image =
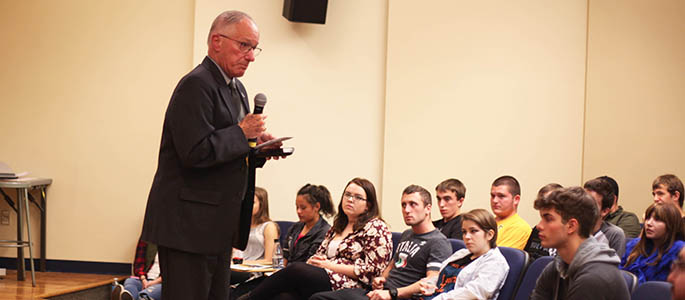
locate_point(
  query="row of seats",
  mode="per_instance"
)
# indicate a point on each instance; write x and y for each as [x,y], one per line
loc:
[652,290]
[523,273]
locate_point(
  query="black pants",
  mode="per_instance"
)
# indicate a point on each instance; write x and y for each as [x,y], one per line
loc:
[240,277]
[245,286]
[344,294]
[297,281]
[194,276]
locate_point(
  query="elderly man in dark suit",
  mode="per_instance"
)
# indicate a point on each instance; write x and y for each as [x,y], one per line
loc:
[193,211]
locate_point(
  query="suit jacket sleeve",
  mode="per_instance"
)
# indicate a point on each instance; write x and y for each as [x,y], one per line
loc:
[192,119]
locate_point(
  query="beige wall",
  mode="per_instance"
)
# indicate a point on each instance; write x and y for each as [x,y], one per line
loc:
[325,86]
[102,129]
[476,90]
[387,90]
[84,86]
[635,116]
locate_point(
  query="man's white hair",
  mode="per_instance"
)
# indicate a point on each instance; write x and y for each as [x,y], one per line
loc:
[226,18]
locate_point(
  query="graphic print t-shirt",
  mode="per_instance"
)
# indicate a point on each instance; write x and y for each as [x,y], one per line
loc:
[416,254]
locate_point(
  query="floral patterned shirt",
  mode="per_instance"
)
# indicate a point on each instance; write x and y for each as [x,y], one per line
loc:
[368,249]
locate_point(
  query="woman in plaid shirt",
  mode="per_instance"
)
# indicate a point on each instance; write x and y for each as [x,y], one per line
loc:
[146,282]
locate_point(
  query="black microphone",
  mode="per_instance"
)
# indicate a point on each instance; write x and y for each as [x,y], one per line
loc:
[259,102]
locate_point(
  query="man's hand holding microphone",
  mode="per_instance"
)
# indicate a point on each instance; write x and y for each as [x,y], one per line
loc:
[253,126]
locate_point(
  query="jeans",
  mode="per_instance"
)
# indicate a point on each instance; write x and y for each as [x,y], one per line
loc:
[135,287]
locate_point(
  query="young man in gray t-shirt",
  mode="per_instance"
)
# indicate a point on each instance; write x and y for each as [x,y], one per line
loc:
[419,254]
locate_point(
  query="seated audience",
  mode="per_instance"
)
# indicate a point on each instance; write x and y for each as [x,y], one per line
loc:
[669,188]
[534,246]
[419,253]
[677,277]
[146,282]
[583,268]
[505,195]
[354,252]
[263,231]
[305,237]
[260,244]
[450,194]
[626,220]
[604,231]
[477,272]
[649,257]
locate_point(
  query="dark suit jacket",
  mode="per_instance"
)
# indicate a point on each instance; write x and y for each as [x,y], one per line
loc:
[196,196]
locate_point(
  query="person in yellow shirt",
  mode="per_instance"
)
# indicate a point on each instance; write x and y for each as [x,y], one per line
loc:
[512,230]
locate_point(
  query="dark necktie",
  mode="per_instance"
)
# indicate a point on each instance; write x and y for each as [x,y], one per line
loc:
[236,100]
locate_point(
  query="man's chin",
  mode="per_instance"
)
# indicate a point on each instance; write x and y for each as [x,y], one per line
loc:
[547,245]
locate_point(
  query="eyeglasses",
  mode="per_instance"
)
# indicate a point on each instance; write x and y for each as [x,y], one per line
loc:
[243,46]
[353,197]
[678,265]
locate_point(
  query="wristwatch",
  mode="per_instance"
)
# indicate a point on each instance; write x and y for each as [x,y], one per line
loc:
[393,293]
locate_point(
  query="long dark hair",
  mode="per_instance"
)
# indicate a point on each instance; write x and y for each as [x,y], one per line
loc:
[340,221]
[670,215]
[318,194]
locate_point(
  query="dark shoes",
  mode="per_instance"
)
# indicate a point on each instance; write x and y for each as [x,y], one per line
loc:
[116,292]
[125,295]
[119,293]
[245,296]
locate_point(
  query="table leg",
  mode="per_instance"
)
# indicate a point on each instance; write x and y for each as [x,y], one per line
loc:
[20,235]
[43,214]
[28,233]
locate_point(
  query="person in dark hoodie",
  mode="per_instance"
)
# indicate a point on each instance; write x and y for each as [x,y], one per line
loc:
[305,236]
[584,267]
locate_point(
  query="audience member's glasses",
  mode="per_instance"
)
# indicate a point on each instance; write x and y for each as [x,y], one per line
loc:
[354,197]
[244,47]
[678,265]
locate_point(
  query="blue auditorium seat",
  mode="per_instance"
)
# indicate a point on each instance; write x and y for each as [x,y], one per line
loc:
[283,227]
[530,277]
[456,244]
[652,290]
[517,260]
[631,280]
[395,239]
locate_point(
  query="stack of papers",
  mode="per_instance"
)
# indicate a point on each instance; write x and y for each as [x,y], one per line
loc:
[6,172]
[251,267]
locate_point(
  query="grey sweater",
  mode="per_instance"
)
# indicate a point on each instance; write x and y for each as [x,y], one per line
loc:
[615,236]
[592,274]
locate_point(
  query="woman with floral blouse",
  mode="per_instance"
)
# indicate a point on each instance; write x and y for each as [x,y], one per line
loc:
[356,249]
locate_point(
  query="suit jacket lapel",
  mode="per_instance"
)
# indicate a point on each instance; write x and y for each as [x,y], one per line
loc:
[226,97]
[243,96]
[224,90]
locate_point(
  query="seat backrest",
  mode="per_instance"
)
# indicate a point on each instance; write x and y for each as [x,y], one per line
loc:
[652,290]
[518,261]
[395,240]
[456,244]
[283,226]
[530,277]
[631,280]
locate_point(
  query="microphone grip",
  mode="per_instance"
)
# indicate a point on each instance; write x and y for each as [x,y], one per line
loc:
[257,111]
